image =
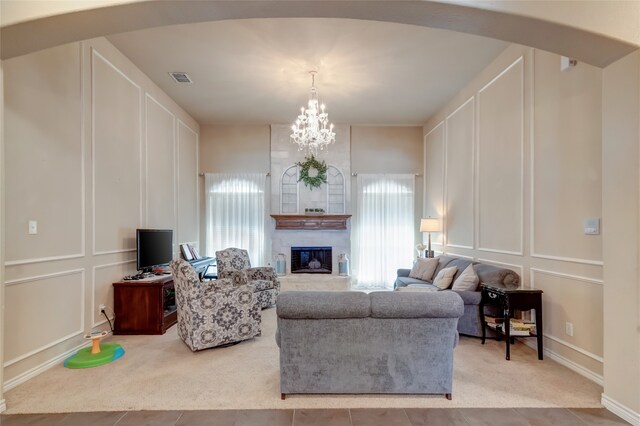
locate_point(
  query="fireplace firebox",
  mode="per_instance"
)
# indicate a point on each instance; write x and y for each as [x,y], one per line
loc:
[311,260]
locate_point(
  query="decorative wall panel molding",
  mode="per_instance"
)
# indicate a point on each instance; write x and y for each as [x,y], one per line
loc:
[52,303]
[44,156]
[116,114]
[187,172]
[500,162]
[108,284]
[160,153]
[583,317]
[434,177]
[459,176]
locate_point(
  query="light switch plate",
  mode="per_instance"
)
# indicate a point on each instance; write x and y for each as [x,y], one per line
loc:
[592,226]
[33,227]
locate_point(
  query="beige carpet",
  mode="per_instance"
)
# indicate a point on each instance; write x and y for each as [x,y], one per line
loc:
[161,373]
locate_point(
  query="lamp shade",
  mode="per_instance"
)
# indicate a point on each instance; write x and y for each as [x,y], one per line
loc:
[430,224]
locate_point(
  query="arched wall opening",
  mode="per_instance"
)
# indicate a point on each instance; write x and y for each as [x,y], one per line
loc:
[517,27]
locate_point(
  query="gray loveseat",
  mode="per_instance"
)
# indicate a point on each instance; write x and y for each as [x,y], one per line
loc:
[354,342]
[469,323]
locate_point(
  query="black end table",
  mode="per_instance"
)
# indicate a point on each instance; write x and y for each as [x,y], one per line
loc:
[508,301]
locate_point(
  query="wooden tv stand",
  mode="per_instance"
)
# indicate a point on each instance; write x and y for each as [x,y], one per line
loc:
[144,306]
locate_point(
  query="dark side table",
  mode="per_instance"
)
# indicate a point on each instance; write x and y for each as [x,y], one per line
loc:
[508,301]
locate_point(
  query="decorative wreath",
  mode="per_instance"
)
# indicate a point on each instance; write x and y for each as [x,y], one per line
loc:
[313,172]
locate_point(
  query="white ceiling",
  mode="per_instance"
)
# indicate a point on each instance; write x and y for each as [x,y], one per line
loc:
[255,71]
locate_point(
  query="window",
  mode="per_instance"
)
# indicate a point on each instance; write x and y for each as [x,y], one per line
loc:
[335,191]
[385,228]
[235,210]
[289,191]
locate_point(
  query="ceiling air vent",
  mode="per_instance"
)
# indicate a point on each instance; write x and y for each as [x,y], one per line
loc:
[180,77]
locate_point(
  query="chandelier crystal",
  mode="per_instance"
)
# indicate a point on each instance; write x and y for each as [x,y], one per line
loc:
[310,130]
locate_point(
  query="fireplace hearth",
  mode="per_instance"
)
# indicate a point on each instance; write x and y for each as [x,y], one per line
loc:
[311,260]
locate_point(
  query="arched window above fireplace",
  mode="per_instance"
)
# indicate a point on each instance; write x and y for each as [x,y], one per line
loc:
[289,191]
[335,191]
[330,196]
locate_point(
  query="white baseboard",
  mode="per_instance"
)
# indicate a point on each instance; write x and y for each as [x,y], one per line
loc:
[3,406]
[620,410]
[594,377]
[29,374]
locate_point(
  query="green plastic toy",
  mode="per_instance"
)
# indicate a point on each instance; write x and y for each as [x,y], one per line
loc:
[97,354]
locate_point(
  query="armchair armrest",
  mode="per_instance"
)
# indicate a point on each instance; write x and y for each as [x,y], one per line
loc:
[403,272]
[237,277]
[264,273]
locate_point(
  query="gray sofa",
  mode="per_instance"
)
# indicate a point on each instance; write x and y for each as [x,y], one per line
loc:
[354,342]
[469,323]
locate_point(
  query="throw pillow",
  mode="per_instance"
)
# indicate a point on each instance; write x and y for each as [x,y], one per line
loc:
[467,281]
[444,277]
[423,269]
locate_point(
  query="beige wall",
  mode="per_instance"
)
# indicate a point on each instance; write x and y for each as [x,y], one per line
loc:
[93,150]
[387,150]
[621,213]
[513,166]
[232,149]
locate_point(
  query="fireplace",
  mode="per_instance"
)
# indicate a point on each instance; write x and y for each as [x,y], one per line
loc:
[311,260]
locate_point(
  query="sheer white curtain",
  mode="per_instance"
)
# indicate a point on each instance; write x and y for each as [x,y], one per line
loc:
[385,233]
[235,212]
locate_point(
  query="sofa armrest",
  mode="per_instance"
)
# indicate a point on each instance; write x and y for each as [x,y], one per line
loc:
[403,272]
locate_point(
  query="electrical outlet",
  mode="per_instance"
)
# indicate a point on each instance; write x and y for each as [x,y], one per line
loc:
[568,328]
[101,308]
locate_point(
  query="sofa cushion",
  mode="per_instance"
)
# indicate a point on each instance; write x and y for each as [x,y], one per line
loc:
[423,269]
[467,281]
[323,304]
[395,304]
[445,277]
[405,281]
[423,286]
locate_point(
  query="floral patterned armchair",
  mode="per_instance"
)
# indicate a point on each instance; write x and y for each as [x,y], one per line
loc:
[213,313]
[233,263]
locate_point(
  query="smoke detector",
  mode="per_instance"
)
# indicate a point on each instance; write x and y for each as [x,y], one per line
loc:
[181,77]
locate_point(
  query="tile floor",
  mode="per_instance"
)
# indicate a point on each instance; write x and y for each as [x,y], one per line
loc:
[329,417]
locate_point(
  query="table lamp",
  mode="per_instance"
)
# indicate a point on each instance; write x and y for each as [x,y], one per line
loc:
[430,224]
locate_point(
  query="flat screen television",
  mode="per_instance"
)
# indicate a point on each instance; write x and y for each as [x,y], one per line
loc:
[155,248]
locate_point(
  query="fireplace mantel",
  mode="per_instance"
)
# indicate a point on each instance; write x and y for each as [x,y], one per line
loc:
[301,222]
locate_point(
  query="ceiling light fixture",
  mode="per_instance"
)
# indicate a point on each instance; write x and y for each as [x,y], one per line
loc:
[310,130]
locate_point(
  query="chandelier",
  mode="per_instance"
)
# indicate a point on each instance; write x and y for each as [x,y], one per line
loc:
[310,130]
